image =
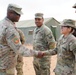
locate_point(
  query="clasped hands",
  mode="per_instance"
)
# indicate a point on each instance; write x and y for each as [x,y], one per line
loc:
[41,54]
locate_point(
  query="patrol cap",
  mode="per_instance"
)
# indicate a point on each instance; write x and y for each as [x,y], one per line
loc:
[74,6]
[68,22]
[15,8]
[39,15]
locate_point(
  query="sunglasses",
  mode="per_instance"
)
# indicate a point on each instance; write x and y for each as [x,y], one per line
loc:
[66,26]
[15,13]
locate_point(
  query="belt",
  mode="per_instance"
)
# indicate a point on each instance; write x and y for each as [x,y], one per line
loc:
[2,70]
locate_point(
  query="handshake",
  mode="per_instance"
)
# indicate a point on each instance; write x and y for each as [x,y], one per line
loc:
[40,54]
[43,53]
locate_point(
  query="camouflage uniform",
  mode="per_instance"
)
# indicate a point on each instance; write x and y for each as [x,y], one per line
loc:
[19,66]
[66,53]
[42,40]
[10,47]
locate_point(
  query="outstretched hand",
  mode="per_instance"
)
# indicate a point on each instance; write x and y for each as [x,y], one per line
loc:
[40,54]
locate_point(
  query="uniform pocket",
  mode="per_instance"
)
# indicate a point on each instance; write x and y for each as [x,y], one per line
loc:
[11,71]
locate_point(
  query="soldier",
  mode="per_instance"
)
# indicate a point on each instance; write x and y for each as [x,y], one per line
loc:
[65,50]
[19,66]
[74,6]
[10,44]
[42,40]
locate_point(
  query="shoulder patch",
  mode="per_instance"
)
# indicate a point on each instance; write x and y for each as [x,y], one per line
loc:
[15,40]
[50,36]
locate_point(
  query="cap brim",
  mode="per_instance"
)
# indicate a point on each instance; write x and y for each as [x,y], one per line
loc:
[68,25]
[21,13]
[38,17]
[18,12]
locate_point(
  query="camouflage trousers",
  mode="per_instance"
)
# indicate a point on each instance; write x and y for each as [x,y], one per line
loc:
[8,72]
[19,66]
[64,74]
[42,66]
[63,70]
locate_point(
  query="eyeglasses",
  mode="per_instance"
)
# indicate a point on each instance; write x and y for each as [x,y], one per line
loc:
[63,26]
[16,14]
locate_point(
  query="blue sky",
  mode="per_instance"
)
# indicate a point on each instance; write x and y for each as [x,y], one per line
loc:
[59,9]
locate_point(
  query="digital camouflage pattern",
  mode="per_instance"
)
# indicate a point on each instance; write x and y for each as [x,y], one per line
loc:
[10,46]
[19,66]
[42,40]
[66,55]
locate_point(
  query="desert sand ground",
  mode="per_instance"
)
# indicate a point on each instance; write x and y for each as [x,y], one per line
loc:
[28,64]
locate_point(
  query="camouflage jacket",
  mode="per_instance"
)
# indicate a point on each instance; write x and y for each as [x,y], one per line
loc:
[43,38]
[66,55]
[22,37]
[10,45]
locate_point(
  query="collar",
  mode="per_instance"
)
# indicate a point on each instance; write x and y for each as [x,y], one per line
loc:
[13,23]
[67,36]
[40,27]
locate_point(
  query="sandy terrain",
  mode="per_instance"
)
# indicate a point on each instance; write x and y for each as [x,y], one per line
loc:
[28,65]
